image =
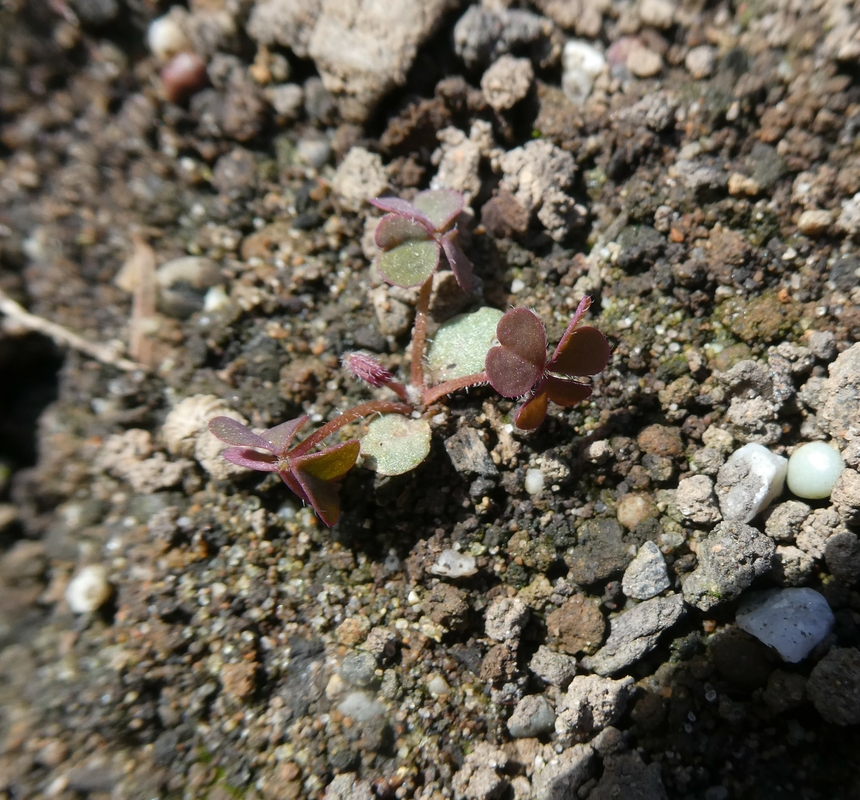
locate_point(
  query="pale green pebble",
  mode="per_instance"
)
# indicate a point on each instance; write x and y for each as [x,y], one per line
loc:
[813,470]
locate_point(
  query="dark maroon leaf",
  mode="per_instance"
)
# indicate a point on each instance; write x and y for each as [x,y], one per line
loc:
[460,264]
[584,351]
[517,363]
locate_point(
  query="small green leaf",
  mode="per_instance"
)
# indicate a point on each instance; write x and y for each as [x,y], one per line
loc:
[330,464]
[461,345]
[410,264]
[440,206]
[395,444]
[394,230]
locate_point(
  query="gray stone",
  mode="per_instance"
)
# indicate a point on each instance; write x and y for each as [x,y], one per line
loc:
[696,500]
[505,619]
[626,775]
[561,777]
[834,686]
[533,716]
[482,35]
[842,554]
[600,552]
[359,669]
[557,669]
[646,576]
[634,633]
[845,496]
[783,522]
[730,559]
[590,704]
[468,453]
[839,413]
[360,48]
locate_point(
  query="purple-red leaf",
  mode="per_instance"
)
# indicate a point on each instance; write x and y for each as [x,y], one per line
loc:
[460,264]
[440,206]
[532,413]
[251,459]
[282,435]
[403,208]
[321,495]
[394,230]
[583,351]
[231,431]
[518,362]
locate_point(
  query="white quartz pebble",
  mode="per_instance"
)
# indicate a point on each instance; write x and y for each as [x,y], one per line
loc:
[89,590]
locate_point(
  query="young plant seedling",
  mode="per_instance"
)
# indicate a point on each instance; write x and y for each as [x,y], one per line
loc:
[313,476]
[518,364]
[412,237]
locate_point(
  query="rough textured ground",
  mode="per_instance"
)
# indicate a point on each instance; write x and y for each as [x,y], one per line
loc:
[703,185]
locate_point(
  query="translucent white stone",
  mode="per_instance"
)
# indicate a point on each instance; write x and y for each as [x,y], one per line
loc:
[750,481]
[89,590]
[791,621]
[813,470]
[534,481]
[452,564]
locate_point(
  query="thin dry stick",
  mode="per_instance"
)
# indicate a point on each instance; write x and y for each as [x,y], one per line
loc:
[419,335]
[140,345]
[63,337]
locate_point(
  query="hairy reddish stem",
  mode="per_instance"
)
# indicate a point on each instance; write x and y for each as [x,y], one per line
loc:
[399,389]
[350,415]
[419,335]
[435,393]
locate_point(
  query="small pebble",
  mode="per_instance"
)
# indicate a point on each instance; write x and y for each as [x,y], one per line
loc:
[700,61]
[166,38]
[813,470]
[750,481]
[582,63]
[183,76]
[533,716]
[644,63]
[452,564]
[633,509]
[814,222]
[792,621]
[534,481]
[89,590]
[646,576]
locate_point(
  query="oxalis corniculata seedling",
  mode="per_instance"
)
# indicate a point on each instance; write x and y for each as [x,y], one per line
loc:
[412,237]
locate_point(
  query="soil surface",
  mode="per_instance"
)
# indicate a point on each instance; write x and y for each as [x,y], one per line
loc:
[174,628]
